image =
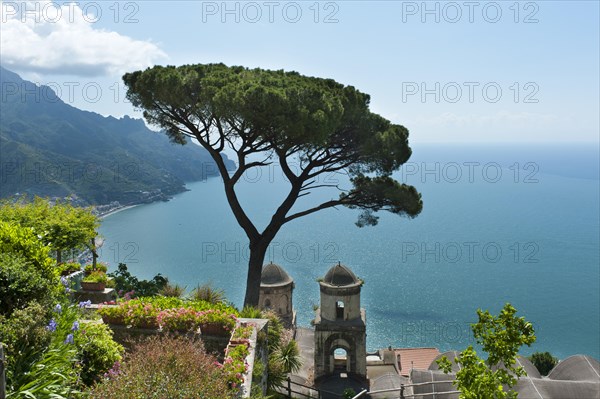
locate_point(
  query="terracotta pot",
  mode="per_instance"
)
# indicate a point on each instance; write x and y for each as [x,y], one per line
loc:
[87,286]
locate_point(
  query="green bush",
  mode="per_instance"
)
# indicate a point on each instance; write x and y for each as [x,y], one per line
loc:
[543,361]
[21,282]
[165,367]
[172,290]
[25,336]
[96,351]
[126,282]
[65,269]
[208,294]
[95,277]
[53,373]
[23,242]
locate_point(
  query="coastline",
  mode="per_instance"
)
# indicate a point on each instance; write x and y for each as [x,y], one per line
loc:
[116,210]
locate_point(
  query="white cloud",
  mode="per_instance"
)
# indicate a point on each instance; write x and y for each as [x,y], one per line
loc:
[62,39]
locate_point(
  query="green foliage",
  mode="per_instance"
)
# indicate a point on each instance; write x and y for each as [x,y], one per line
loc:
[23,241]
[99,267]
[61,226]
[97,352]
[126,282]
[165,367]
[501,337]
[68,268]
[53,374]
[543,361]
[207,293]
[174,290]
[174,313]
[250,312]
[22,282]
[284,354]
[289,356]
[24,336]
[349,393]
[95,277]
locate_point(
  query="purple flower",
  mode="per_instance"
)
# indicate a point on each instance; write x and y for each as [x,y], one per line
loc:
[75,326]
[51,325]
[69,339]
[85,303]
[58,308]
[64,281]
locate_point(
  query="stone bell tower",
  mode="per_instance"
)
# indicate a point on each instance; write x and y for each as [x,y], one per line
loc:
[276,290]
[340,323]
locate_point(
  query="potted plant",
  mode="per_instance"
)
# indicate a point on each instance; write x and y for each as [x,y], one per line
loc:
[100,267]
[69,268]
[95,281]
[216,322]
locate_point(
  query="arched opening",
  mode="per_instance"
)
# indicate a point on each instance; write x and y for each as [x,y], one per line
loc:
[267,303]
[341,360]
[339,310]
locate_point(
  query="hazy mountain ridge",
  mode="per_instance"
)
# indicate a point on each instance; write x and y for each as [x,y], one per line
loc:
[50,148]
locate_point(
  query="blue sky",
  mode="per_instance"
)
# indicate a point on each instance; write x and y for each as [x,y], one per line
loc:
[448,71]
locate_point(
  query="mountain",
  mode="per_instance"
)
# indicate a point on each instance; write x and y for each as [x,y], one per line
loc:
[51,149]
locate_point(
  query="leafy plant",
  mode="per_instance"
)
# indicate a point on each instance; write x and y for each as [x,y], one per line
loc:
[250,312]
[95,277]
[67,268]
[60,225]
[209,294]
[53,374]
[126,282]
[97,352]
[101,267]
[501,337]
[165,367]
[289,356]
[21,282]
[242,332]
[24,336]
[543,361]
[235,365]
[175,290]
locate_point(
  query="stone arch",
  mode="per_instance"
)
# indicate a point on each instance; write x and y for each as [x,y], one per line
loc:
[340,341]
[267,303]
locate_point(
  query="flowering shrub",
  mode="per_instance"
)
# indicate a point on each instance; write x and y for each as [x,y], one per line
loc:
[140,314]
[172,314]
[96,350]
[235,365]
[242,332]
[180,319]
[165,367]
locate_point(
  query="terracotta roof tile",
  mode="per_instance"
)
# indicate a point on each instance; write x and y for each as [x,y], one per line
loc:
[418,358]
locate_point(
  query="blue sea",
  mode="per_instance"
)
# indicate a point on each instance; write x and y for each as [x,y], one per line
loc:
[500,223]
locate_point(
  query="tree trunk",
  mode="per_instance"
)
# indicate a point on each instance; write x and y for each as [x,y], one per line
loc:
[94,253]
[257,258]
[58,256]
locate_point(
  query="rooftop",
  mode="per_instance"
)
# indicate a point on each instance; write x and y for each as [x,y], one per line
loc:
[417,358]
[340,275]
[274,275]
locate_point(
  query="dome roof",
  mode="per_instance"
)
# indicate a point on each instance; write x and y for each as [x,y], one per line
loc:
[273,274]
[576,368]
[340,275]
